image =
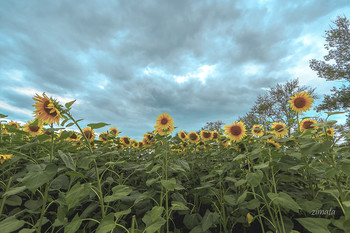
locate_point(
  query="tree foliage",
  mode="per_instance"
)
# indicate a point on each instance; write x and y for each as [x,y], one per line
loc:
[273,106]
[213,126]
[336,66]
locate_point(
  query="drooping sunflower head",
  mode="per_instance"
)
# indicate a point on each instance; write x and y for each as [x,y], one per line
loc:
[279,129]
[46,109]
[301,102]
[236,131]
[103,137]
[206,135]
[182,135]
[149,136]
[193,137]
[164,121]
[146,142]
[258,130]
[308,124]
[89,133]
[114,131]
[14,124]
[125,140]
[33,127]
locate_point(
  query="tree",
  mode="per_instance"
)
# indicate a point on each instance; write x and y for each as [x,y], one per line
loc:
[273,106]
[336,66]
[213,126]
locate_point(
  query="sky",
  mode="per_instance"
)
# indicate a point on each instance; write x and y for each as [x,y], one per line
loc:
[125,62]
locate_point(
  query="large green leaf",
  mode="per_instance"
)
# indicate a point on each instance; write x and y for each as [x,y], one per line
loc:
[97,125]
[77,193]
[74,225]
[315,225]
[10,224]
[119,192]
[284,200]
[153,219]
[255,178]
[13,191]
[38,176]
[67,159]
[171,184]
[107,224]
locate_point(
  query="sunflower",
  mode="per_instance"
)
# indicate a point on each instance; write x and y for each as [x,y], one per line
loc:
[125,140]
[4,158]
[330,132]
[46,109]
[149,136]
[301,102]
[215,135]
[14,124]
[146,141]
[32,128]
[114,131]
[275,144]
[3,129]
[279,129]
[73,137]
[206,135]
[164,121]
[103,137]
[119,147]
[182,135]
[162,131]
[89,133]
[307,124]
[258,130]
[140,144]
[236,131]
[193,137]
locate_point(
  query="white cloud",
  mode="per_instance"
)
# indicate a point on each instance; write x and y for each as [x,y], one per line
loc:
[13,109]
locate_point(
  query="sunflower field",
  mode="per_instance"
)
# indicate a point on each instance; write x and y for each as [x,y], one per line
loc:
[269,178]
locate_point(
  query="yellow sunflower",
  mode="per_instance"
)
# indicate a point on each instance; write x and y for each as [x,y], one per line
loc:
[73,137]
[279,129]
[215,135]
[164,121]
[307,124]
[46,109]
[206,135]
[119,147]
[301,102]
[193,137]
[89,133]
[4,158]
[149,136]
[114,130]
[103,137]
[162,131]
[275,144]
[330,132]
[14,124]
[182,135]
[258,130]
[33,129]
[236,131]
[3,129]
[146,141]
[125,140]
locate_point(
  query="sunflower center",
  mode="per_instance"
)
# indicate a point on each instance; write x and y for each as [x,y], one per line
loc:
[126,141]
[193,136]
[300,102]
[48,109]
[182,135]
[74,136]
[215,135]
[34,128]
[329,131]
[278,127]
[307,124]
[47,133]
[206,135]
[164,121]
[235,130]
[257,130]
[88,134]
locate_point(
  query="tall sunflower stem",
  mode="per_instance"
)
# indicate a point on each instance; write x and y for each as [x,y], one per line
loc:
[52,144]
[99,190]
[43,208]
[4,198]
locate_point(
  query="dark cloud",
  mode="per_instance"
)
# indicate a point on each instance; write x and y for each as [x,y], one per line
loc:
[98,51]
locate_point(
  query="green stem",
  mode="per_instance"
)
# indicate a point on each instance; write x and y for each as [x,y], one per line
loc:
[43,208]
[100,191]
[81,131]
[166,191]
[133,224]
[52,144]
[4,198]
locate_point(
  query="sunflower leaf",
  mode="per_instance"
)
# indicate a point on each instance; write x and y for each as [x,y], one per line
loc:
[69,104]
[3,116]
[97,125]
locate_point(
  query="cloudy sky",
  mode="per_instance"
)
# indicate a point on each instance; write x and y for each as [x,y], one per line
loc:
[128,61]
